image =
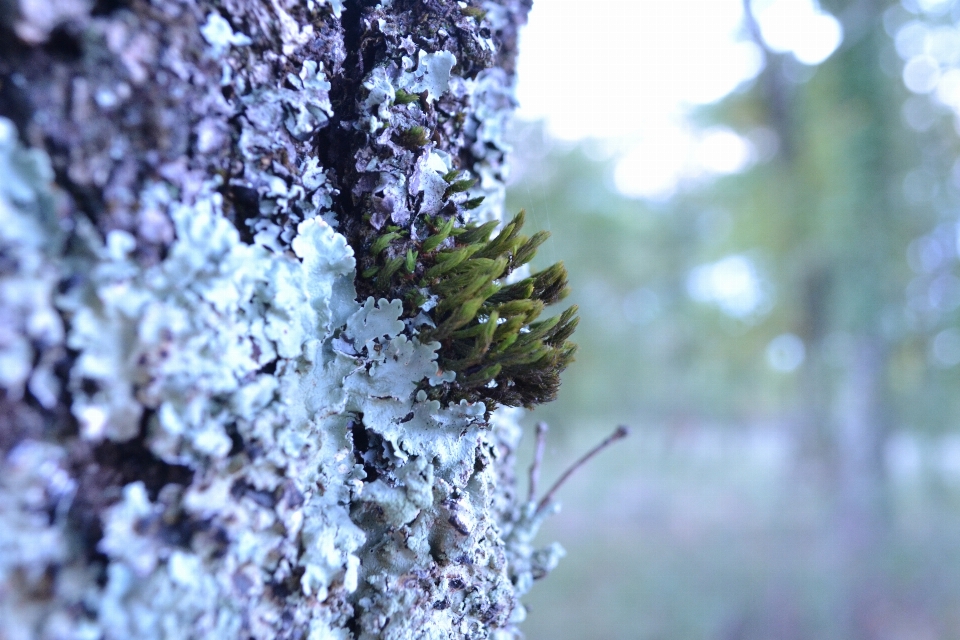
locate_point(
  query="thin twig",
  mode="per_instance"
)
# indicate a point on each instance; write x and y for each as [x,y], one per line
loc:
[537,459]
[619,433]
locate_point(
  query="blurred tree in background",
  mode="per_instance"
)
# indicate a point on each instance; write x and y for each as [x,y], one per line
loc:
[813,296]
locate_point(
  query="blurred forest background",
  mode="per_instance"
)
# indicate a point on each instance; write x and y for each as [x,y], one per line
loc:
[784,340]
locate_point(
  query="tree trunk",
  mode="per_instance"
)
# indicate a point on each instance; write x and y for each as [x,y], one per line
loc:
[211,426]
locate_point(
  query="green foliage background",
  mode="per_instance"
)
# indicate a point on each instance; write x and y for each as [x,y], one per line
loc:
[753,503]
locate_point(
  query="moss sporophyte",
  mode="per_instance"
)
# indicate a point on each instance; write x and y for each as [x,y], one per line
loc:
[489,331]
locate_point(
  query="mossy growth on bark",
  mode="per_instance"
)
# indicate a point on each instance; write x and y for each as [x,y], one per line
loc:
[490,331]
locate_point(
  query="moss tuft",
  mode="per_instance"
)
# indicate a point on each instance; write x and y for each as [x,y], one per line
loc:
[490,332]
[474,12]
[414,137]
[403,97]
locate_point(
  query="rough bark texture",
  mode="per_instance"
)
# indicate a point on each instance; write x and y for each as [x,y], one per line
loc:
[205,431]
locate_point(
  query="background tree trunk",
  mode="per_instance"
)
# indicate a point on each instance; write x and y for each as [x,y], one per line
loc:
[204,430]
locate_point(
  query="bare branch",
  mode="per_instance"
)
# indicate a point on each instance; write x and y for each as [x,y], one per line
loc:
[537,460]
[619,433]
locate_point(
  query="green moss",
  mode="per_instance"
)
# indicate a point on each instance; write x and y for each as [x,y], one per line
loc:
[459,186]
[414,137]
[474,12]
[381,243]
[403,97]
[473,203]
[490,332]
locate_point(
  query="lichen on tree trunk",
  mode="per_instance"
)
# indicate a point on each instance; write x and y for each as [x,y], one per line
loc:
[210,426]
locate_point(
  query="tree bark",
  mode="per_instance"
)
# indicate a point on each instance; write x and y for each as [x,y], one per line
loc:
[210,425]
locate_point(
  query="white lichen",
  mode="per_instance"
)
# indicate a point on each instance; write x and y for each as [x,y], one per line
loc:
[30,327]
[218,33]
[430,72]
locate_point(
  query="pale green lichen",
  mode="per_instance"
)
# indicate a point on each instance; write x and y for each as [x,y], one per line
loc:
[36,490]
[199,326]
[492,104]
[382,93]
[428,179]
[185,340]
[30,327]
[218,33]
[430,72]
